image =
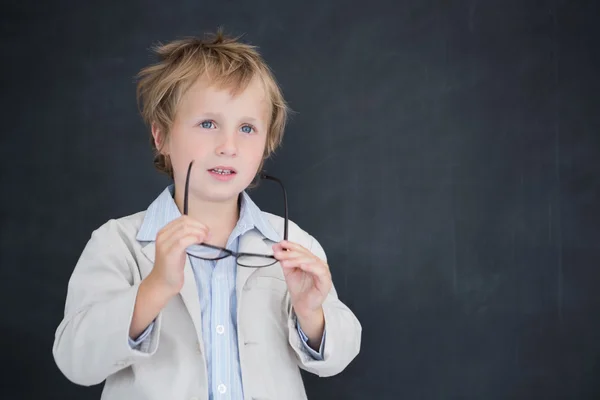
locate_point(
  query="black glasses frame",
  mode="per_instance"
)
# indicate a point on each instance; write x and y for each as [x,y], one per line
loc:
[230,253]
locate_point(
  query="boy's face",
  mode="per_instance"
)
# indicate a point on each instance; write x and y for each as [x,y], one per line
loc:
[224,135]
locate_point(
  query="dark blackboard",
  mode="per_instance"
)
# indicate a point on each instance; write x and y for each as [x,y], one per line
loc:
[445,153]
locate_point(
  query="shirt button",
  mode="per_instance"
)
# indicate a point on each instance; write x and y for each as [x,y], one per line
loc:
[220,329]
[222,389]
[194,398]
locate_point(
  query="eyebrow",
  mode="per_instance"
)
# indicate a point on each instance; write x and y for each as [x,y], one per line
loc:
[251,119]
[211,115]
[220,115]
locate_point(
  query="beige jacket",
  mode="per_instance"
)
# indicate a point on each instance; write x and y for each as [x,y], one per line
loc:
[91,343]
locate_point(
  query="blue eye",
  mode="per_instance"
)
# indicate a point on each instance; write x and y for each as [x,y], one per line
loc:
[206,124]
[247,129]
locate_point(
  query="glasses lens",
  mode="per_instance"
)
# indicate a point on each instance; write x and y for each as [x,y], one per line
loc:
[206,253]
[255,261]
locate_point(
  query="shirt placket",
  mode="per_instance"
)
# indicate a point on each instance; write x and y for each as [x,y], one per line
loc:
[218,331]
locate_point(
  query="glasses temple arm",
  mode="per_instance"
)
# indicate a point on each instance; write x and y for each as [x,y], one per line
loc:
[187,188]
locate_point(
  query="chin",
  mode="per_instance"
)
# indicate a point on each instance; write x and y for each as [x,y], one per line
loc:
[224,193]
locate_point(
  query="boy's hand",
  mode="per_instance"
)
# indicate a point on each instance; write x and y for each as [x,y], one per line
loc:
[307,276]
[171,244]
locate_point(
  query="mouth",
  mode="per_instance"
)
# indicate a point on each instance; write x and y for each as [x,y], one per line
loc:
[223,171]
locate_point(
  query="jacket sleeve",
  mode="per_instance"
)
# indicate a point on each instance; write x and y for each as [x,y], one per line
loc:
[92,341]
[342,327]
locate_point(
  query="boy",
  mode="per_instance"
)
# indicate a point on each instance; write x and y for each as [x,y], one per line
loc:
[161,305]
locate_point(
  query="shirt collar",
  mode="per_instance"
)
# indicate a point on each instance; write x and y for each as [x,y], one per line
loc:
[164,210]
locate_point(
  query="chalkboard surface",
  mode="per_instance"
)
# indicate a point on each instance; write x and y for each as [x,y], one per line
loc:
[445,153]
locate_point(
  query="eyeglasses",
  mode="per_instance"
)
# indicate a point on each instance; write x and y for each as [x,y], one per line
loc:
[205,251]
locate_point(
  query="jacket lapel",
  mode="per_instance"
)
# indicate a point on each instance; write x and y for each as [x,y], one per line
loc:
[188,293]
[250,242]
[149,251]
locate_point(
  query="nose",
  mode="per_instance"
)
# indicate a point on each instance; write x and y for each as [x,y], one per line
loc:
[227,145]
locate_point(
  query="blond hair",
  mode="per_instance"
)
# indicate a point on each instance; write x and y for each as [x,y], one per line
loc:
[229,62]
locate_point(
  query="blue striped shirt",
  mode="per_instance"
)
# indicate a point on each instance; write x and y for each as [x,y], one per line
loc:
[216,290]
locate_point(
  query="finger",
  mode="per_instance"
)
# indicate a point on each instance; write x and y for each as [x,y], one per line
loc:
[296,262]
[287,245]
[182,243]
[184,223]
[316,269]
[184,228]
[278,248]
[286,255]
[190,223]
[184,220]
[199,235]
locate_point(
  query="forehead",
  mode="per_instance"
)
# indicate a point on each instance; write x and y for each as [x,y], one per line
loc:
[208,96]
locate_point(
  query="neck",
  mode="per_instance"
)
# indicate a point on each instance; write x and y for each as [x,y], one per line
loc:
[219,217]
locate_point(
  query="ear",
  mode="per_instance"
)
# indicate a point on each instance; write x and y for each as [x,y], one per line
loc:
[159,139]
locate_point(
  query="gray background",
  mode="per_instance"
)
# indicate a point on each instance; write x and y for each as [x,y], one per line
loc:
[445,153]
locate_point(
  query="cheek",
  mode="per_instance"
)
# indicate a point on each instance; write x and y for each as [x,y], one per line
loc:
[252,157]
[187,144]
[185,147]
[255,151]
